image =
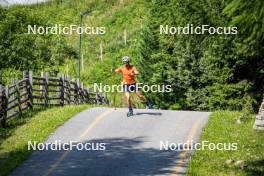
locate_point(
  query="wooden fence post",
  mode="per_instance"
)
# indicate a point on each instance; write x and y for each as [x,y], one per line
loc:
[68,89]
[62,82]
[5,104]
[97,97]
[82,93]
[85,94]
[2,103]
[29,87]
[73,91]
[30,77]
[42,90]
[88,95]
[46,95]
[18,97]
[78,91]
[12,97]
[105,98]
[67,71]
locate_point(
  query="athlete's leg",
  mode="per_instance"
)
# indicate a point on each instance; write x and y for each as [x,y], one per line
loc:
[144,100]
[127,94]
[141,97]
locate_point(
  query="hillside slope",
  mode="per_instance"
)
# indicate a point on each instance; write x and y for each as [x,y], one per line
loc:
[58,53]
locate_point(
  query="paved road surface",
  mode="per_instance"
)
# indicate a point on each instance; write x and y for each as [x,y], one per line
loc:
[132,145]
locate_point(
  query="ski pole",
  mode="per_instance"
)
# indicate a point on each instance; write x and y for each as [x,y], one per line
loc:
[114,90]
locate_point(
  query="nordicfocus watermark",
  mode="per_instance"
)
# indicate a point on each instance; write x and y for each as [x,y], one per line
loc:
[59,29]
[138,86]
[190,145]
[203,29]
[71,145]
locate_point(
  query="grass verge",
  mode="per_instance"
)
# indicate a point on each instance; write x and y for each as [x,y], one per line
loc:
[224,127]
[35,126]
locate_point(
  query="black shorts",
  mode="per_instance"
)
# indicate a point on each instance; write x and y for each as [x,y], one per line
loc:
[130,88]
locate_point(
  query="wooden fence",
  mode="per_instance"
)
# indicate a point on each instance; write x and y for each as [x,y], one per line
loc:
[32,91]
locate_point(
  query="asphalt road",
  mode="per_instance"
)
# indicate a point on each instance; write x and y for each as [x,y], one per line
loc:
[132,145]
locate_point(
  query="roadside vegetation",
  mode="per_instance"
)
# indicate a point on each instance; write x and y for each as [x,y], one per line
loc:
[207,72]
[33,126]
[230,127]
[55,53]
[118,18]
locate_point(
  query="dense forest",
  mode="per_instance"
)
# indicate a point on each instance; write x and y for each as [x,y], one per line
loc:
[207,72]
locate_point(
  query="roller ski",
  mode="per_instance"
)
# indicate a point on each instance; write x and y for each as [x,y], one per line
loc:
[130,113]
[150,105]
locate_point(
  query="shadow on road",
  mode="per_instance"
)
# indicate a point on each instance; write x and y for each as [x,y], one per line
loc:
[149,113]
[123,156]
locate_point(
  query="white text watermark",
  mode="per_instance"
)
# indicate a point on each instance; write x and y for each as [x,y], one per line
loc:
[71,145]
[203,145]
[59,29]
[203,29]
[134,87]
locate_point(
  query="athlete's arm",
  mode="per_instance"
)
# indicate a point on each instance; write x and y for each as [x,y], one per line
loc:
[115,70]
[135,72]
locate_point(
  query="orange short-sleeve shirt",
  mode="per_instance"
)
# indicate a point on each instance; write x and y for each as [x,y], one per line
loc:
[128,74]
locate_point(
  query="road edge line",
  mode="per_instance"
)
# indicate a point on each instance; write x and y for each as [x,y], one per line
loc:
[184,154]
[85,133]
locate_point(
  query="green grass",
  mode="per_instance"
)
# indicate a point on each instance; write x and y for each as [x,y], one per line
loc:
[222,127]
[34,126]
